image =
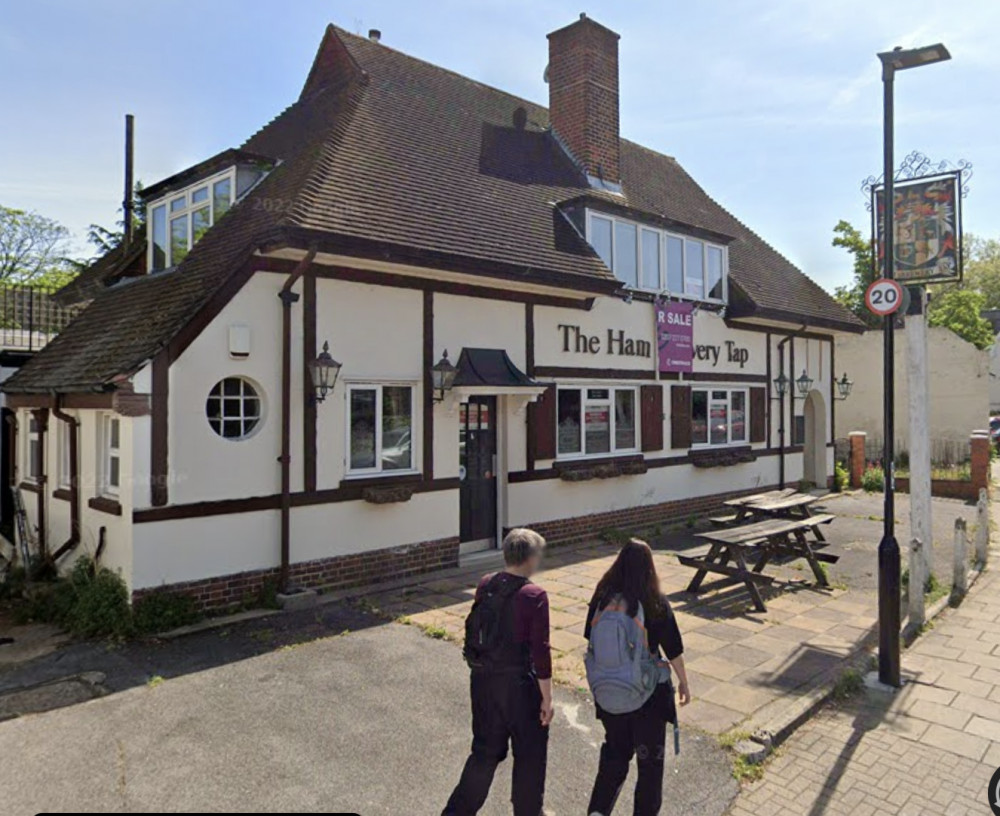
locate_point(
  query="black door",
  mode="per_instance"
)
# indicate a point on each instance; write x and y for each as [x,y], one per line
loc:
[477,458]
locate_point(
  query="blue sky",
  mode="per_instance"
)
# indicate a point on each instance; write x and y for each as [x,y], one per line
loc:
[773,105]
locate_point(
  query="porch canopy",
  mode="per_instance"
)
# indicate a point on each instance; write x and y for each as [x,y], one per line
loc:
[491,371]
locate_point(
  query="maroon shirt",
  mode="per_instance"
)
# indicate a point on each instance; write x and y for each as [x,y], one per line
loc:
[531,623]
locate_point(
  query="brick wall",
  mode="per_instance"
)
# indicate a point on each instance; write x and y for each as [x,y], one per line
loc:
[583,94]
[357,569]
[634,518]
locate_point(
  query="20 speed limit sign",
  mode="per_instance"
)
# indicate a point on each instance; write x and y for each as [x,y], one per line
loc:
[884,296]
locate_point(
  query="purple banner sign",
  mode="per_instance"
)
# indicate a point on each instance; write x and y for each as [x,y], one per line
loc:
[675,336]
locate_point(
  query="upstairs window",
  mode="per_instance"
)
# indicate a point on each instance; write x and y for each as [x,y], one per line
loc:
[178,220]
[654,260]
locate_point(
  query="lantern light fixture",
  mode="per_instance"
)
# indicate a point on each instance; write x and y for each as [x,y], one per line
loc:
[324,371]
[443,375]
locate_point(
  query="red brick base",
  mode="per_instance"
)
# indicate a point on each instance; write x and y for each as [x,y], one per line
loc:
[633,518]
[244,588]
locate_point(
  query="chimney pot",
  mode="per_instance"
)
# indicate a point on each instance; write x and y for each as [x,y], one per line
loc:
[583,95]
[374,35]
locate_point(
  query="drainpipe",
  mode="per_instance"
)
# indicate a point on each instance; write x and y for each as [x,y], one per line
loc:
[781,403]
[74,480]
[288,297]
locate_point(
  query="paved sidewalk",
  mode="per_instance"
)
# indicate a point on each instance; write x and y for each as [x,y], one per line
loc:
[930,749]
[746,668]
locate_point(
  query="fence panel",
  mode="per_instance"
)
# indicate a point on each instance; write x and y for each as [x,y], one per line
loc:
[29,317]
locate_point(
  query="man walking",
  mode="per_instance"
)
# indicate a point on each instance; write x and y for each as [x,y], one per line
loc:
[507,648]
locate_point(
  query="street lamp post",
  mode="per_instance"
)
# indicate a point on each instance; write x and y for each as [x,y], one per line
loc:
[888,548]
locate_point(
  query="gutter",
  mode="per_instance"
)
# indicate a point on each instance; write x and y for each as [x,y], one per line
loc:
[288,297]
[74,480]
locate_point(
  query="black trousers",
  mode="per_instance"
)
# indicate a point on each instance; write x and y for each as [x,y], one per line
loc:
[505,710]
[641,734]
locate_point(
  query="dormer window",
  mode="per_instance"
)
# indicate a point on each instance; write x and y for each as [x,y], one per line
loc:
[654,260]
[180,218]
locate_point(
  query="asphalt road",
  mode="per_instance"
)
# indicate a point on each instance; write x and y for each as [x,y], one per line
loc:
[374,721]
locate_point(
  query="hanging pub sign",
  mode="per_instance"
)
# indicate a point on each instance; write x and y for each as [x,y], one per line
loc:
[928,221]
[675,337]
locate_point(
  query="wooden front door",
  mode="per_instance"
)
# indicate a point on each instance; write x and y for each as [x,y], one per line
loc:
[478,462]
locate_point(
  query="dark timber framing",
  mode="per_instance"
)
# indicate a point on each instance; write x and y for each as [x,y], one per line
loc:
[428,359]
[159,464]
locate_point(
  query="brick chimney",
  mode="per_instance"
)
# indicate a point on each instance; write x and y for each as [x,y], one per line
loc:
[583,95]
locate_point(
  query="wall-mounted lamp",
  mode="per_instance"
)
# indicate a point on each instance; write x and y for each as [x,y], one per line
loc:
[804,384]
[443,375]
[844,387]
[324,371]
[780,385]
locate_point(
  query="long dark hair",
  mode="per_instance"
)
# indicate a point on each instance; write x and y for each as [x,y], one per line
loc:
[633,576]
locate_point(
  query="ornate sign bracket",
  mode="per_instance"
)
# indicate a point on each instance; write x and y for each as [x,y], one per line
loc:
[917,165]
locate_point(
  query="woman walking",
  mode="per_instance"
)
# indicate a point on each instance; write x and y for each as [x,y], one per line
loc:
[628,599]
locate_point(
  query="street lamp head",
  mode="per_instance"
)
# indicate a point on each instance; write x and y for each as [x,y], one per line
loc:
[804,383]
[899,59]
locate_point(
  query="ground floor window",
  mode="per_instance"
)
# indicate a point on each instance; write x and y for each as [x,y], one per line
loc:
[594,421]
[718,416]
[380,428]
[33,451]
[110,455]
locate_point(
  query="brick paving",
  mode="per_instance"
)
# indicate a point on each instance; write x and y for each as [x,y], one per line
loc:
[929,749]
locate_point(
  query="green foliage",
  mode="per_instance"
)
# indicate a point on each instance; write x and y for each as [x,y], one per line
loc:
[31,246]
[267,597]
[959,310]
[933,588]
[873,479]
[12,586]
[615,536]
[852,297]
[745,771]
[163,611]
[848,684]
[90,602]
[841,478]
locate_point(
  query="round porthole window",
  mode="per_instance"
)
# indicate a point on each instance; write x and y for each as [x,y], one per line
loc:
[233,408]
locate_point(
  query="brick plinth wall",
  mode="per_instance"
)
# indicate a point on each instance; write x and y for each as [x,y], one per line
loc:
[943,488]
[341,572]
[857,457]
[634,518]
[979,445]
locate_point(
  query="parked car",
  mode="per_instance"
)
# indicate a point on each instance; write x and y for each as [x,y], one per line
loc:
[995,430]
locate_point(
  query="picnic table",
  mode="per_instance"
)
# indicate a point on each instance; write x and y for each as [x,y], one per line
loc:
[774,503]
[773,537]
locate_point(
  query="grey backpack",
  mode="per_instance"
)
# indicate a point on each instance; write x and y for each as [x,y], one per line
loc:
[620,670]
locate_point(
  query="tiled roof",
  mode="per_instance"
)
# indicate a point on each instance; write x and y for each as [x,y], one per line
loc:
[384,150]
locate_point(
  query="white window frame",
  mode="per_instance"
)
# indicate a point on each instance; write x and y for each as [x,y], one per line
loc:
[63,475]
[108,453]
[664,234]
[378,386]
[584,402]
[188,209]
[30,462]
[730,390]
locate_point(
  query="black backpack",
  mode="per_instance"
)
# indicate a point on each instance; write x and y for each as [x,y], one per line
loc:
[489,628]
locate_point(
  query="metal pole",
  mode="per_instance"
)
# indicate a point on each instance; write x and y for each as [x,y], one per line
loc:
[127,200]
[888,548]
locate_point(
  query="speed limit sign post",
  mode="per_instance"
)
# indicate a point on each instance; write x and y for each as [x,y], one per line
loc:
[884,296]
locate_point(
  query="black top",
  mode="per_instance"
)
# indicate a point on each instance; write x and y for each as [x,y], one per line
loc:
[662,631]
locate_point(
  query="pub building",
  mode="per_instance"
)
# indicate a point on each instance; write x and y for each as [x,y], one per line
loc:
[409,313]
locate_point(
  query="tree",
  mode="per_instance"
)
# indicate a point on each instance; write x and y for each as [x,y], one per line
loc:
[959,310]
[107,239]
[982,268]
[32,247]
[852,297]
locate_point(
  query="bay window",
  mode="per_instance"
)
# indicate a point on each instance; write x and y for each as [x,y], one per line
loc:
[596,421]
[380,429]
[718,416]
[653,260]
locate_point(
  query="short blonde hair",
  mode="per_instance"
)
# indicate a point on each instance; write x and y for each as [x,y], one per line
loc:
[520,544]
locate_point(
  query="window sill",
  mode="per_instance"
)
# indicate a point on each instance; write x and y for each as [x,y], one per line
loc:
[105,504]
[583,470]
[63,493]
[31,487]
[721,456]
[381,479]
[388,494]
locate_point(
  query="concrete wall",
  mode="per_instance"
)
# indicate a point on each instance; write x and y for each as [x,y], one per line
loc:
[959,379]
